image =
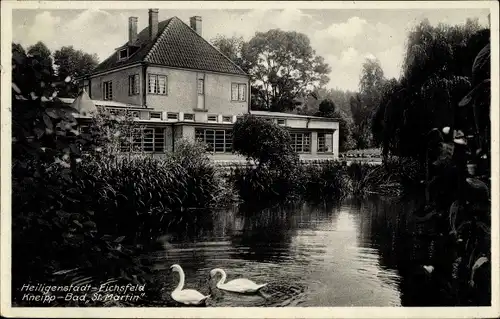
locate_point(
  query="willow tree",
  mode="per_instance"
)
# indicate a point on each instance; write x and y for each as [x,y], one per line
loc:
[436,71]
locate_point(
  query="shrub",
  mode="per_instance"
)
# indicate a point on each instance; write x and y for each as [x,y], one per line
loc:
[99,218]
[84,218]
[263,184]
[327,181]
[54,228]
[264,142]
[373,179]
[268,145]
[406,170]
[326,108]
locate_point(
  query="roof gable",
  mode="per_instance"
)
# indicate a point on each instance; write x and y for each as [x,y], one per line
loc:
[143,44]
[176,45]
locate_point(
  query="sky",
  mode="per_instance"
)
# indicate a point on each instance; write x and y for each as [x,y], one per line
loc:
[344,37]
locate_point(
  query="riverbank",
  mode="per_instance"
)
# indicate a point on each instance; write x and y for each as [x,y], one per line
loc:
[105,212]
[141,200]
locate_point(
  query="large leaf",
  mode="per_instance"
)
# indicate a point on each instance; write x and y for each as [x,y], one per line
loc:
[481,88]
[477,189]
[119,239]
[459,137]
[479,262]
[481,65]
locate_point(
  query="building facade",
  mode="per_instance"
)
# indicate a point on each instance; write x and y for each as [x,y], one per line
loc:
[177,85]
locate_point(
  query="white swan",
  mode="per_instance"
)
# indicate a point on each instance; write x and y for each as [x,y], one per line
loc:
[186,296]
[240,285]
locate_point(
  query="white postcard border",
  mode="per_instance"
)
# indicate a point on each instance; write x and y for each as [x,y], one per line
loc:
[294,312]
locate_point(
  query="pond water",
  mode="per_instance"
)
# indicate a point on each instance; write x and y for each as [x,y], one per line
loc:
[354,253]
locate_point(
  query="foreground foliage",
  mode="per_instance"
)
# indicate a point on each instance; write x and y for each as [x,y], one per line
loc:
[101,218]
[80,214]
[425,116]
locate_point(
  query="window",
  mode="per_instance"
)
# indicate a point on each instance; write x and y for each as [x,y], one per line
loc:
[116,112]
[121,112]
[157,84]
[133,84]
[84,129]
[218,141]
[301,142]
[281,122]
[227,119]
[212,118]
[123,54]
[107,90]
[134,114]
[238,92]
[201,86]
[172,116]
[188,116]
[325,142]
[148,139]
[155,115]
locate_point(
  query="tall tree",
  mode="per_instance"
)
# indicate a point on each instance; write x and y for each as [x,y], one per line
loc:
[284,68]
[342,112]
[18,66]
[371,83]
[436,71]
[380,124]
[73,63]
[326,108]
[234,48]
[16,47]
[42,55]
[361,116]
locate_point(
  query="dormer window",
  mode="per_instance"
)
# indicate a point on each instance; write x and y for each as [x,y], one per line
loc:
[123,54]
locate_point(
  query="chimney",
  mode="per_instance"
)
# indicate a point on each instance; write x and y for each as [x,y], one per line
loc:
[153,23]
[132,29]
[196,24]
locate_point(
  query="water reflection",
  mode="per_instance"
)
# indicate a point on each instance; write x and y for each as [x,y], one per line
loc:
[348,254]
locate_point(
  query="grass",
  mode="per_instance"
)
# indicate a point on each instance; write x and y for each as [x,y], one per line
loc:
[328,181]
[98,218]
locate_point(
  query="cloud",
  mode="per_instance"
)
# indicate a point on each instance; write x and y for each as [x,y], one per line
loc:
[247,23]
[346,68]
[85,31]
[35,32]
[287,18]
[344,38]
[352,28]
[391,61]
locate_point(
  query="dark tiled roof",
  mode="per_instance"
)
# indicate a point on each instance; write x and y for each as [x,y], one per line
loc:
[177,45]
[144,45]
